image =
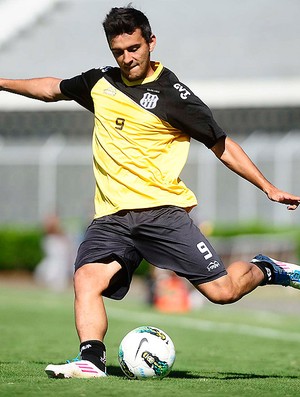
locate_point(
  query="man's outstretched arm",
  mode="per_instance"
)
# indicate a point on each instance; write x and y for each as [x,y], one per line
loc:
[45,89]
[234,157]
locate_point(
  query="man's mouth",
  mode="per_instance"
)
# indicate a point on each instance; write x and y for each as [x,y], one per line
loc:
[131,68]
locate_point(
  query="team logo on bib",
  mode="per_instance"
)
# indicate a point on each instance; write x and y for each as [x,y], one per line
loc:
[110,91]
[149,101]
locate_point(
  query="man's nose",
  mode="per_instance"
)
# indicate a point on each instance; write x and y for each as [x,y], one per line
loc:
[127,57]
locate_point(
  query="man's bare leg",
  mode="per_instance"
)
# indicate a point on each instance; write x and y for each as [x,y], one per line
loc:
[89,283]
[242,278]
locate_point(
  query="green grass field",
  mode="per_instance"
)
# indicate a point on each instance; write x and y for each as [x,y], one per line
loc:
[247,349]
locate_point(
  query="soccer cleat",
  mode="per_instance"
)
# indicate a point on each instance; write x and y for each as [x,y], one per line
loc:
[75,369]
[286,274]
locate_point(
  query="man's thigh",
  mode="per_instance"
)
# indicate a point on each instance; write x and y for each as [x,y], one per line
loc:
[168,238]
[107,240]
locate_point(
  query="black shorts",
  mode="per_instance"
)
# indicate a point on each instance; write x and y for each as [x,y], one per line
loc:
[165,236]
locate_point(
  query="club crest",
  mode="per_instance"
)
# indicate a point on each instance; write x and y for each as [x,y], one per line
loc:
[149,101]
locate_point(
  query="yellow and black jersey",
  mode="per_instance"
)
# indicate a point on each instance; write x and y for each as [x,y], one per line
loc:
[141,136]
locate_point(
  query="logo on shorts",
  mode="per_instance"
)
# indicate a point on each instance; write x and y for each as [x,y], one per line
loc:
[213,265]
[149,101]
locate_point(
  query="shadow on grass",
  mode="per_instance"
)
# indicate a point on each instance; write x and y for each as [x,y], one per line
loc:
[116,371]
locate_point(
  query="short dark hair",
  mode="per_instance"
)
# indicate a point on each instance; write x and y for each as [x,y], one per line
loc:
[122,20]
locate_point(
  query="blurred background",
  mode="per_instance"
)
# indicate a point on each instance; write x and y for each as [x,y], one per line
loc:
[241,58]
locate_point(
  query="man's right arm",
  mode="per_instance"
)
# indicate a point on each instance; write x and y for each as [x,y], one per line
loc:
[45,89]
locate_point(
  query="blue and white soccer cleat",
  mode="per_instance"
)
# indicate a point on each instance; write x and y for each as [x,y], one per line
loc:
[75,369]
[281,273]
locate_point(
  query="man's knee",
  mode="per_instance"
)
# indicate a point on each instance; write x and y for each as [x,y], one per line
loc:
[94,277]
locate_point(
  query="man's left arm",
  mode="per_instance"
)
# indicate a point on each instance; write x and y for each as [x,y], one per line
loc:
[233,156]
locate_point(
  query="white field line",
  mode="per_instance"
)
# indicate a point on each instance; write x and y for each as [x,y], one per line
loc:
[204,325]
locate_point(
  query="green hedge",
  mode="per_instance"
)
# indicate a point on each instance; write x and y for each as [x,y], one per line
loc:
[257,228]
[226,230]
[20,249]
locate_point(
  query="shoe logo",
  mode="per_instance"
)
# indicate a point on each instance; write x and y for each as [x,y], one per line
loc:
[295,276]
[140,345]
[86,367]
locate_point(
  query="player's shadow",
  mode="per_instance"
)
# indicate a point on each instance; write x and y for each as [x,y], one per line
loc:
[116,371]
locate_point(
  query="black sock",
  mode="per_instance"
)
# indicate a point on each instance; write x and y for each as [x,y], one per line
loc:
[95,352]
[267,271]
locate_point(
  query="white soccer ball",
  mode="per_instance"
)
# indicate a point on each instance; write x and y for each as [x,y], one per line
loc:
[146,352]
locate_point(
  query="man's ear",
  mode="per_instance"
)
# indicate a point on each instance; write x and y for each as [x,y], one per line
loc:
[152,43]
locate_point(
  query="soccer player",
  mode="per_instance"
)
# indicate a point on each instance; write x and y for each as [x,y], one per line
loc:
[144,119]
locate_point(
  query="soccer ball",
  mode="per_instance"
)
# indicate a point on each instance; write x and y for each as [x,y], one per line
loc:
[146,352]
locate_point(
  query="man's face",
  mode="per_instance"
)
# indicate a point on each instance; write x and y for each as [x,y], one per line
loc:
[132,54]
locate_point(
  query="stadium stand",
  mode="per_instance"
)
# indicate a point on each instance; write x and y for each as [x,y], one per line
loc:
[241,58]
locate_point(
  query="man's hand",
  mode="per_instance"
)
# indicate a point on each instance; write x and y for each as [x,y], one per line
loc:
[284,198]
